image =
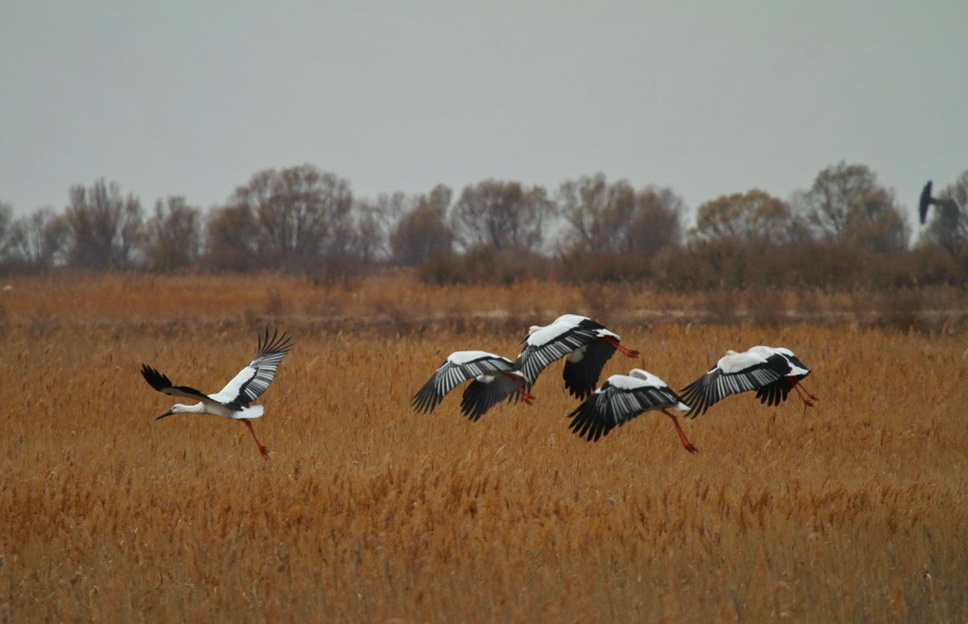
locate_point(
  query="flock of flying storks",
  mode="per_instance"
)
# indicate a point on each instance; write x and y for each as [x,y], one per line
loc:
[584,344]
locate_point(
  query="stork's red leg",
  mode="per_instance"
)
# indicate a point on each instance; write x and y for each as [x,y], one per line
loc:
[686,444]
[263,450]
[526,396]
[625,351]
[802,392]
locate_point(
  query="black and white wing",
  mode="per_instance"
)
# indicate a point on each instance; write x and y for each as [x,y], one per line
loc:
[774,393]
[487,391]
[459,367]
[620,399]
[584,366]
[255,378]
[777,392]
[735,373]
[797,368]
[545,345]
[925,202]
[162,383]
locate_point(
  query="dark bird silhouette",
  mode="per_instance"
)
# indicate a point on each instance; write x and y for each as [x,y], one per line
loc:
[925,202]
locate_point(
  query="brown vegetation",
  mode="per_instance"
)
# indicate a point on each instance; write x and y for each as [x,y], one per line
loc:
[855,510]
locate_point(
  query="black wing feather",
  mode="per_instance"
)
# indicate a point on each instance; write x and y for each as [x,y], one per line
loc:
[480,396]
[586,422]
[449,375]
[267,359]
[612,407]
[925,201]
[716,385]
[582,376]
[774,393]
[535,358]
[162,383]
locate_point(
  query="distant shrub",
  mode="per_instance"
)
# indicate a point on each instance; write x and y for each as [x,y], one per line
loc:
[899,309]
[338,269]
[276,304]
[721,306]
[483,265]
[931,266]
[603,267]
[765,307]
[677,269]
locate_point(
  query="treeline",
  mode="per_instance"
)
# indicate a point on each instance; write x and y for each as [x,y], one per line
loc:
[846,230]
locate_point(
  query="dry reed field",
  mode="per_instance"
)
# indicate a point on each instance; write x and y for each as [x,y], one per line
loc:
[853,510]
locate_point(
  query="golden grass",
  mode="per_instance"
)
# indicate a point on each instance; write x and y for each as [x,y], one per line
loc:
[856,510]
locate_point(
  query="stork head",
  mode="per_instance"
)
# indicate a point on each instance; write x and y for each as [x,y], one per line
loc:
[179,408]
[531,332]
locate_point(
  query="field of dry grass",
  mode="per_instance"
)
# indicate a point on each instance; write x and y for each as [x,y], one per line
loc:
[855,510]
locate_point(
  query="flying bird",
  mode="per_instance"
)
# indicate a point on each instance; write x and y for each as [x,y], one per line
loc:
[234,400]
[771,371]
[585,344]
[623,397]
[494,379]
[925,202]
[946,208]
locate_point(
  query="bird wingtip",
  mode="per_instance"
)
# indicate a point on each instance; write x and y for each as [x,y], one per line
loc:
[276,343]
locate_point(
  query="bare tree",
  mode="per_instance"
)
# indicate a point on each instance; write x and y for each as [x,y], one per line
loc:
[614,217]
[597,212]
[104,226]
[503,216]
[37,241]
[657,220]
[231,242]
[373,222]
[422,233]
[173,235]
[754,216]
[877,222]
[301,215]
[846,204]
[6,223]
[948,228]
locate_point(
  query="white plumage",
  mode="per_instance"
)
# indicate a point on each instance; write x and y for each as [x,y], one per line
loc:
[586,345]
[494,379]
[771,371]
[234,400]
[623,397]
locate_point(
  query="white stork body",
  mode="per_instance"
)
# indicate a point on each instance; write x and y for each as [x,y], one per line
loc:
[623,397]
[771,371]
[586,345]
[494,379]
[232,401]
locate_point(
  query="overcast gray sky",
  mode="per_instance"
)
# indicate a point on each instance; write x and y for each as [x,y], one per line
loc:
[709,98]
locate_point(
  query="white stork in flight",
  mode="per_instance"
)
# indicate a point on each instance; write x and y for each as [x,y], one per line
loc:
[494,379]
[623,397]
[232,401]
[586,343]
[771,371]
